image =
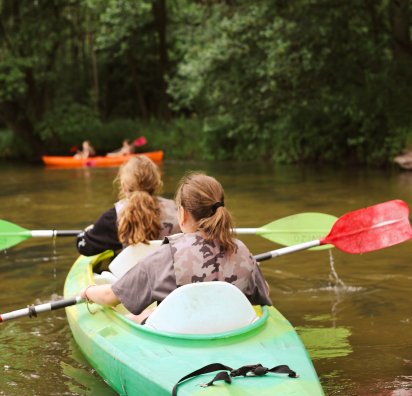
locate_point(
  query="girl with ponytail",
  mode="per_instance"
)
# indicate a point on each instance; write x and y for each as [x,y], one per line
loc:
[203,198]
[205,251]
[139,215]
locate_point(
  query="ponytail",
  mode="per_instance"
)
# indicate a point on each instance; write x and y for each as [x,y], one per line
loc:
[203,197]
[139,219]
[219,227]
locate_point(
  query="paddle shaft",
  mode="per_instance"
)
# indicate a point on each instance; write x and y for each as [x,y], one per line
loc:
[239,231]
[33,310]
[54,233]
[245,231]
[286,231]
[287,250]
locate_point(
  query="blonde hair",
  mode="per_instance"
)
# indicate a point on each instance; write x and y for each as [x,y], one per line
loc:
[203,197]
[139,220]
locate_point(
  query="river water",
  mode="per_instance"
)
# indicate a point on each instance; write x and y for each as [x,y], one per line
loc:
[353,312]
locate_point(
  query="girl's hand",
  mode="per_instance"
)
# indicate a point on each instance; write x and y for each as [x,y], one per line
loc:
[83,294]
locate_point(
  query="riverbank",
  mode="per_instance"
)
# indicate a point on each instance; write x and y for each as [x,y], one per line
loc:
[180,139]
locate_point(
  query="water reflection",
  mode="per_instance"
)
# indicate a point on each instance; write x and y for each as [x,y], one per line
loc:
[325,342]
[83,380]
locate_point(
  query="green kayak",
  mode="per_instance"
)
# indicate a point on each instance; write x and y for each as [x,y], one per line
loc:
[139,360]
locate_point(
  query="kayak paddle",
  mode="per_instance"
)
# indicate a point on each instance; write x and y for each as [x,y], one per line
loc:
[361,231]
[286,231]
[12,234]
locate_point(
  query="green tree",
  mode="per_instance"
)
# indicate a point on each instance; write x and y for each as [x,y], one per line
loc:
[65,65]
[44,71]
[131,43]
[301,80]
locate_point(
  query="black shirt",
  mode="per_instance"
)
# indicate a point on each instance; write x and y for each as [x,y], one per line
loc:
[103,236]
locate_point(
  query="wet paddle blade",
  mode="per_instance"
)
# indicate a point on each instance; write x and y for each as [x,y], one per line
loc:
[12,234]
[298,228]
[372,228]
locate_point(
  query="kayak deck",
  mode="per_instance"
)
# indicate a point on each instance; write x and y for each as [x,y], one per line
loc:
[99,161]
[136,360]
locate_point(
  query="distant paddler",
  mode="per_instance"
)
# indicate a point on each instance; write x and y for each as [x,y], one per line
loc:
[126,149]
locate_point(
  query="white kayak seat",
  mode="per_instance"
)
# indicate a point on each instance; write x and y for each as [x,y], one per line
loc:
[203,308]
[104,278]
[129,256]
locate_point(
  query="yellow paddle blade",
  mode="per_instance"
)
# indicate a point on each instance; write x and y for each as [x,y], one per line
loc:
[299,228]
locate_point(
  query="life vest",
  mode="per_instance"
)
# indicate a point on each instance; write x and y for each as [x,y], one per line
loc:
[198,260]
[168,215]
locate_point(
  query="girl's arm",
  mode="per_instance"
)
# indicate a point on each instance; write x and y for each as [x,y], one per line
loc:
[100,294]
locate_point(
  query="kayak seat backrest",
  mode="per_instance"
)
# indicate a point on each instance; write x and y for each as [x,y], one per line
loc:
[203,308]
[129,256]
[104,278]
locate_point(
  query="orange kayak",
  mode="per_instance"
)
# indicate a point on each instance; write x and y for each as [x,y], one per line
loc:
[70,162]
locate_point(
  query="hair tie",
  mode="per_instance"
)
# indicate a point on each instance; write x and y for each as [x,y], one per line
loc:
[216,205]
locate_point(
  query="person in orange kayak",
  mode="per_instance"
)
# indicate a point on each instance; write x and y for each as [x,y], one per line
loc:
[140,215]
[87,150]
[205,251]
[126,149]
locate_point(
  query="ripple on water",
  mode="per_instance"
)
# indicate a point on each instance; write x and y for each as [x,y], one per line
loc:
[336,289]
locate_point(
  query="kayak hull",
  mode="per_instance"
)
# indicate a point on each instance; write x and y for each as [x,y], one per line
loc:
[99,161]
[136,360]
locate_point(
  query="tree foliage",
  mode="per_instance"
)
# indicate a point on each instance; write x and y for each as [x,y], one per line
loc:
[304,80]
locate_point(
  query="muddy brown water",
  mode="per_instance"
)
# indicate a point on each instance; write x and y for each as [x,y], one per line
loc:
[355,316]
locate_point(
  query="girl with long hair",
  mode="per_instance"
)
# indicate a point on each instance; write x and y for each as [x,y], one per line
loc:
[140,215]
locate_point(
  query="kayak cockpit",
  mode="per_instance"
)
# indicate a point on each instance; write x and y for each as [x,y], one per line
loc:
[261,319]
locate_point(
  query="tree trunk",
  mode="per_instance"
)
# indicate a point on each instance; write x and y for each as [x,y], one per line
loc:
[95,73]
[160,17]
[402,46]
[21,125]
[141,104]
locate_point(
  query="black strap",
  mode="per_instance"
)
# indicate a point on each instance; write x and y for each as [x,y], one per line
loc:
[252,369]
[259,370]
[204,370]
[283,369]
[221,376]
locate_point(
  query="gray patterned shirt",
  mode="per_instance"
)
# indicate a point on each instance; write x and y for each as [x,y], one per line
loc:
[189,258]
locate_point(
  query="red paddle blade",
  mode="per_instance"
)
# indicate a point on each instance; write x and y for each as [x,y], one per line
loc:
[140,141]
[375,227]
